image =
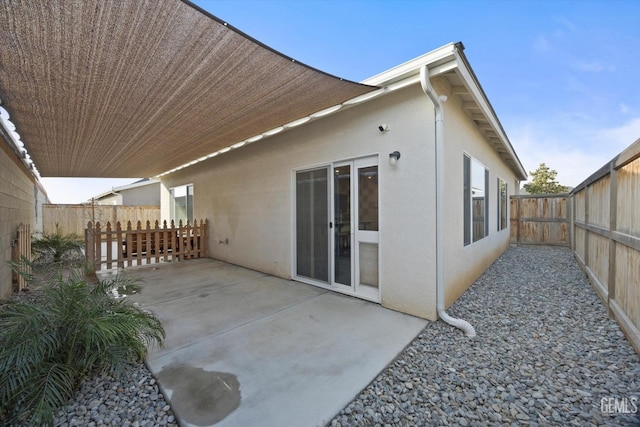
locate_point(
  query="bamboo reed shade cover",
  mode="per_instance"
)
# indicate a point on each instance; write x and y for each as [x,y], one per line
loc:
[133,88]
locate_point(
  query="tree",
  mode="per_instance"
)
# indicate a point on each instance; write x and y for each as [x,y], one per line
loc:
[544,182]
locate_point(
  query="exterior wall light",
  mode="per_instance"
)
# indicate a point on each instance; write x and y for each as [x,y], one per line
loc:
[393,158]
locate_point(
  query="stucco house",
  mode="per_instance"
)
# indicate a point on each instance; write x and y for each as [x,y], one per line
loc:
[144,192]
[383,197]
[394,190]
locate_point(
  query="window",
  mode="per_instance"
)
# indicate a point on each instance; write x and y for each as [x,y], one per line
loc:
[476,200]
[182,203]
[503,196]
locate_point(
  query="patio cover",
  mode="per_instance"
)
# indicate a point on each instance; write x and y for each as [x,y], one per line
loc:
[106,88]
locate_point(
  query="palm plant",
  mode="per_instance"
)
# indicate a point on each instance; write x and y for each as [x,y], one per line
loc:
[56,245]
[74,328]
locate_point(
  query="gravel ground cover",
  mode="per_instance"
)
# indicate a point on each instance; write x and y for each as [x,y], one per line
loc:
[546,354]
[131,400]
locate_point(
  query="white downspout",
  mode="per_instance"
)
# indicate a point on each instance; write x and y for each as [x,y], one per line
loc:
[437,102]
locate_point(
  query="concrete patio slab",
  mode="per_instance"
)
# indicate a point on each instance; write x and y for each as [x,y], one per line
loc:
[244,348]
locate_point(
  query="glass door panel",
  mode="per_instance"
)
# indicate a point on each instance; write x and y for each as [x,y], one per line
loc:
[368,261]
[342,224]
[312,224]
[367,233]
[368,198]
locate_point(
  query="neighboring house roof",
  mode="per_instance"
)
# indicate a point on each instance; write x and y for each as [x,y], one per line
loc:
[116,190]
[134,88]
[131,89]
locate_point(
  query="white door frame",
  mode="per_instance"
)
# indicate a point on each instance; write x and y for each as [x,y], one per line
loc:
[357,236]
[363,235]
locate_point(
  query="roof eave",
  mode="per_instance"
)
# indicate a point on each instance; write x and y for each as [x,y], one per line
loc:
[446,59]
[466,72]
[411,68]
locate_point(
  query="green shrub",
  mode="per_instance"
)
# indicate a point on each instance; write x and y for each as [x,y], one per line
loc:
[52,248]
[72,329]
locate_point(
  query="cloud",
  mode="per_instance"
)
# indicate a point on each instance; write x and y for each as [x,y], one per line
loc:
[590,67]
[621,136]
[624,108]
[541,44]
[565,23]
[575,150]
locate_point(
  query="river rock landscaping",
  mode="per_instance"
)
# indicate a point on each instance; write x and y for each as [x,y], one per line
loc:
[546,354]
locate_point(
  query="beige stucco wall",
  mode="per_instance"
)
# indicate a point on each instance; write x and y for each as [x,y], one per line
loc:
[146,195]
[247,193]
[18,195]
[464,264]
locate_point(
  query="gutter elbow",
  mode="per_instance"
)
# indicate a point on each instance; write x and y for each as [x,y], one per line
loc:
[461,324]
[426,85]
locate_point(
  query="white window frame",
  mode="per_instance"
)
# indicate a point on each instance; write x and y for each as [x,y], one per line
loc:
[468,234]
[188,192]
[501,182]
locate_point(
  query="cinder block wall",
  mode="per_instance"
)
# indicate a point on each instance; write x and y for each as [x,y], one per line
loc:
[17,205]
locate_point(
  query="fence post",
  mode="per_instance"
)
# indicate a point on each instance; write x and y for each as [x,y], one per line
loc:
[157,243]
[109,240]
[189,240]
[22,253]
[181,238]
[165,243]
[89,246]
[517,209]
[129,246]
[570,218]
[139,243]
[613,226]
[174,248]
[97,241]
[586,225]
[205,238]
[119,245]
[148,237]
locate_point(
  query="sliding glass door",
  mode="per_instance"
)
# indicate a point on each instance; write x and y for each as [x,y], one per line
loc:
[342,231]
[337,227]
[312,224]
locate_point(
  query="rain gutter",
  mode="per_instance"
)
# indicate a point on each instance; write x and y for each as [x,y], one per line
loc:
[439,145]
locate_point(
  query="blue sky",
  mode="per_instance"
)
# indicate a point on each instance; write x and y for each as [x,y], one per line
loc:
[561,75]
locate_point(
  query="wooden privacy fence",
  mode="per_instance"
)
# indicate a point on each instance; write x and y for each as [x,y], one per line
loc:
[540,219]
[606,237]
[72,219]
[22,251]
[118,248]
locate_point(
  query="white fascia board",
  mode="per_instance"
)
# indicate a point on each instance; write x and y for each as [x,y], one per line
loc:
[101,195]
[486,109]
[136,184]
[433,59]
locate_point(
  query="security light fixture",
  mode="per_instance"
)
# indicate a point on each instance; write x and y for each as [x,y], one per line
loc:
[393,158]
